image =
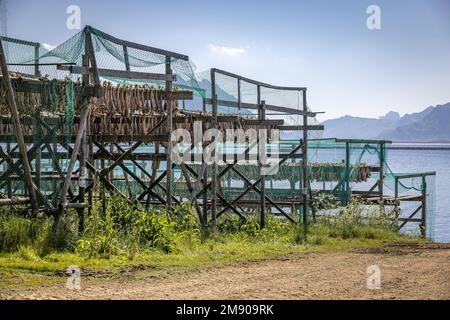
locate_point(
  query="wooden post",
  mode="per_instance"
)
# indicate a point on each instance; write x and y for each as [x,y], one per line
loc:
[17,128]
[110,164]
[37,73]
[9,186]
[347,173]
[103,189]
[82,181]
[423,225]
[381,181]
[37,163]
[205,196]
[55,166]
[396,205]
[169,132]
[203,104]
[126,58]
[83,152]
[90,175]
[239,93]
[214,165]
[305,167]
[262,176]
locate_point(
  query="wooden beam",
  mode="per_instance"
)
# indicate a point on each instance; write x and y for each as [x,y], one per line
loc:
[14,201]
[262,84]
[262,144]
[214,165]
[415,175]
[132,75]
[129,137]
[262,122]
[302,128]
[410,218]
[169,129]
[19,41]
[139,46]
[90,53]
[190,188]
[126,58]
[254,187]
[254,106]
[305,176]
[82,127]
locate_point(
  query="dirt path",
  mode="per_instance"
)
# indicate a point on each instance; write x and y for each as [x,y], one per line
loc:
[407,272]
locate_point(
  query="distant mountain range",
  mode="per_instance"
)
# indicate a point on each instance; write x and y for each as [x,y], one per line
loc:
[430,125]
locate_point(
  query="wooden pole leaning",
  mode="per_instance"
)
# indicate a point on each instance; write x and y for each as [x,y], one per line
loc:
[18,129]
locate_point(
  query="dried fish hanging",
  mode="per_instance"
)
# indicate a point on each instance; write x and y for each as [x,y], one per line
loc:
[291,172]
[126,110]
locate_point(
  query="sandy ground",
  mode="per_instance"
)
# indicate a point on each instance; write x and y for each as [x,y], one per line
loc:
[407,272]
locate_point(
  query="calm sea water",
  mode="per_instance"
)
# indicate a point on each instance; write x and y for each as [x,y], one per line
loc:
[423,161]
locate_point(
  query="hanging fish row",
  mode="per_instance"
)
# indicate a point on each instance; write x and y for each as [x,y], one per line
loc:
[40,96]
[122,110]
[292,172]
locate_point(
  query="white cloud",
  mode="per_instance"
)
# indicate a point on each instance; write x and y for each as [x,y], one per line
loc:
[48,47]
[229,51]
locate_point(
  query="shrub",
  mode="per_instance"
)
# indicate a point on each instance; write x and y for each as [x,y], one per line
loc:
[358,221]
[125,229]
[154,231]
[323,201]
[229,223]
[184,217]
[17,232]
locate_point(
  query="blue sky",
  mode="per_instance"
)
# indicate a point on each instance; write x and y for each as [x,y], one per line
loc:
[324,45]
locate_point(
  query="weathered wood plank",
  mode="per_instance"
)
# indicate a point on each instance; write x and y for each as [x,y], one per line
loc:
[123,74]
[302,128]
[254,106]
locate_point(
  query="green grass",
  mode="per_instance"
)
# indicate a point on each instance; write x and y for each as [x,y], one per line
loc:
[212,252]
[169,241]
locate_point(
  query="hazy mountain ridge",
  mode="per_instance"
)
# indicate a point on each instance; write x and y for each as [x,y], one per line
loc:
[432,124]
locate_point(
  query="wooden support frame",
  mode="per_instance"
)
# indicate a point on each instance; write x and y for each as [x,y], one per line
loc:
[422,198]
[82,151]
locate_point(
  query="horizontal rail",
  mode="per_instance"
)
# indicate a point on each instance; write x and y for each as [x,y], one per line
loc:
[77,205]
[415,175]
[235,104]
[34,85]
[41,64]
[131,137]
[14,201]
[360,141]
[132,75]
[258,83]
[230,157]
[301,128]
[409,220]
[228,118]
[21,42]
[137,45]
